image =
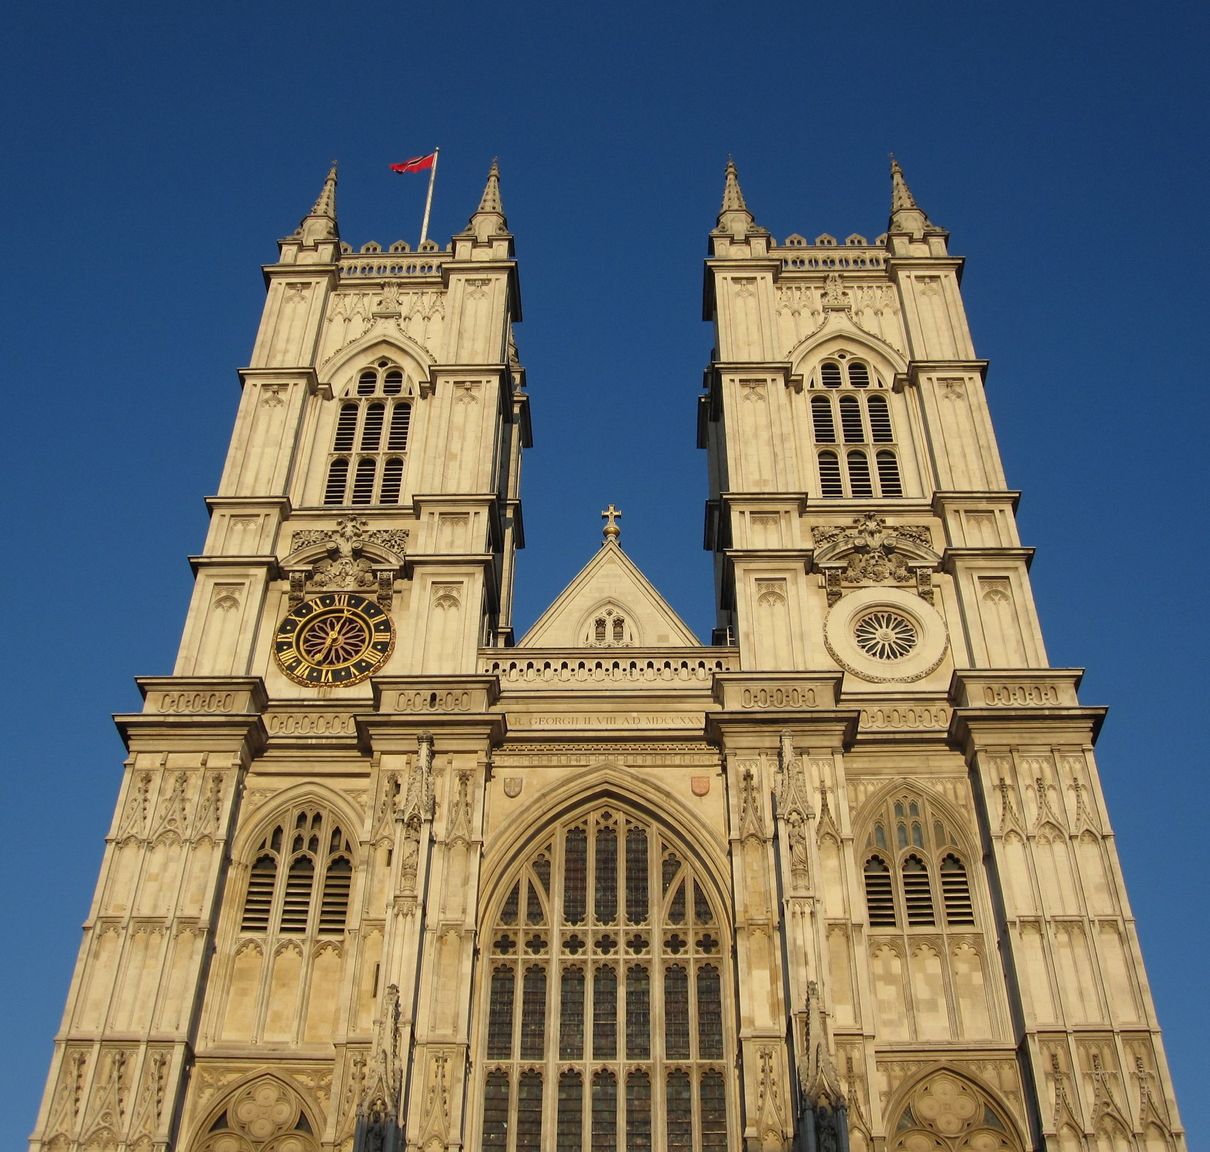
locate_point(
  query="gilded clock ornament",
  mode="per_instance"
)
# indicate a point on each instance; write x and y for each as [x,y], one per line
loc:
[336,638]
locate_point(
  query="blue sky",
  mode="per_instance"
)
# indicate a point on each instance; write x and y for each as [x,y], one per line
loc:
[155,152]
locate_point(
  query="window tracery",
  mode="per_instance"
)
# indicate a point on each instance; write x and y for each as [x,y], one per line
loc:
[263,1116]
[914,869]
[291,929]
[849,410]
[609,627]
[605,1015]
[946,1113]
[369,446]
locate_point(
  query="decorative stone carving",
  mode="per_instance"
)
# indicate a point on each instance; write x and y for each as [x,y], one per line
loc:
[435,1118]
[770,1119]
[150,1105]
[134,818]
[173,815]
[834,294]
[461,809]
[794,807]
[944,1113]
[868,552]
[823,1097]
[379,1108]
[106,1120]
[751,813]
[346,566]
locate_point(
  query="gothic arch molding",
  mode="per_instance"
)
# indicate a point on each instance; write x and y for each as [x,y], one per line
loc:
[866,814]
[276,806]
[605,1007]
[947,1109]
[842,335]
[605,783]
[340,371]
[610,604]
[260,1111]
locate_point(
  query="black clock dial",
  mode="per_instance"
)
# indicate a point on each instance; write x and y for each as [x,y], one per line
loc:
[336,638]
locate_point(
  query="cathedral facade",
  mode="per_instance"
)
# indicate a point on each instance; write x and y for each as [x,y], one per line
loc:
[383,875]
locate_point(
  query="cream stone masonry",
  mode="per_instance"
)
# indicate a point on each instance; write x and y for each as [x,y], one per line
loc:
[381,878]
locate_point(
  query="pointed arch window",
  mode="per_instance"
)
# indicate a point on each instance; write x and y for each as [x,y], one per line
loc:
[290,930]
[603,1006]
[301,878]
[369,446]
[914,870]
[851,401]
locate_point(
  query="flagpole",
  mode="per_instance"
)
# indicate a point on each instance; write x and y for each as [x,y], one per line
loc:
[428,200]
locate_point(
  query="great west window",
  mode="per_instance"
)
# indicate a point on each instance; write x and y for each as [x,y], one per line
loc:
[605,1022]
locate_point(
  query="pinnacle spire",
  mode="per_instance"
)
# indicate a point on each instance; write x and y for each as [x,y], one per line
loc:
[320,223]
[488,219]
[325,205]
[734,216]
[906,214]
[901,194]
[490,200]
[733,196]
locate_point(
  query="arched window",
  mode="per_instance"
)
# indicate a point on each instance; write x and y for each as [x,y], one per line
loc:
[290,933]
[301,878]
[908,849]
[859,474]
[863,418]
[370,442]
[604,988]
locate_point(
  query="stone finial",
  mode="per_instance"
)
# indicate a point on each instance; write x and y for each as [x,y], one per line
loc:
[320,222]
[901,194]
[733,195]
[325,204]
[906,214]
[488,219]
[490,200]
[611,531]
[734,216]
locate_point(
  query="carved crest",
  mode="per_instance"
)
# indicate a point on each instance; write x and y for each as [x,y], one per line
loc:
[868,552]
[352,557]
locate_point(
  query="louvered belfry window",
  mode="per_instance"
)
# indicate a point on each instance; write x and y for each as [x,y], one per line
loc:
[301,878]
[605,1021]
[369,446]
[913,869]
[850,407]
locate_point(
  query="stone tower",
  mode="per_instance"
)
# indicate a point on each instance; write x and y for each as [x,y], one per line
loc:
[382,876]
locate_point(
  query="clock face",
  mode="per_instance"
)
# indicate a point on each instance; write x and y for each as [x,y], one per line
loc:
[337,638]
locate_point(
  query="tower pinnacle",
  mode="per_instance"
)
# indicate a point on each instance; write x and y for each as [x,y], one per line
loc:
[906,214]
[488,219]
[734,216]
[320,222]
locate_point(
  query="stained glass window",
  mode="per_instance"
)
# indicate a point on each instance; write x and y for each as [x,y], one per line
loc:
[606,982]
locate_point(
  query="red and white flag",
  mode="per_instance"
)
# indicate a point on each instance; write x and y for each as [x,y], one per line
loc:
[415,164]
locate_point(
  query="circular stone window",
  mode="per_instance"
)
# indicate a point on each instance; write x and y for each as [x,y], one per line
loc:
[885,635]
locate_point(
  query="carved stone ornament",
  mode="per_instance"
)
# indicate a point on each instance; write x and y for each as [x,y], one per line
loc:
[945,1112]
[868,552]
[700,785]
[345,566]
[512,786]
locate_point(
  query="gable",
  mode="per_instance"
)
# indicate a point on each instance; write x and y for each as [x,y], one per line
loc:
[609,604]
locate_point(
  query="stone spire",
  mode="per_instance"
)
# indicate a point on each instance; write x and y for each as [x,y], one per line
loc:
[733,216]
[906,214]
[320,222]
[489,219]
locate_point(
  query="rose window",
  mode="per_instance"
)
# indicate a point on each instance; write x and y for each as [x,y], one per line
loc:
[885,635]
